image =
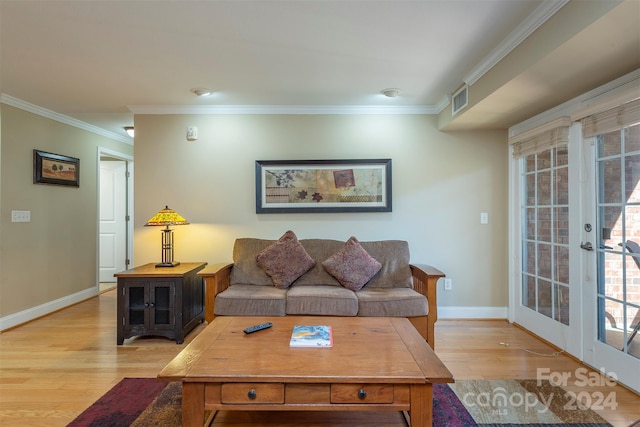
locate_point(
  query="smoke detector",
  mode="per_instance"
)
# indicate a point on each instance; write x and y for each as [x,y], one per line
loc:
[390,92]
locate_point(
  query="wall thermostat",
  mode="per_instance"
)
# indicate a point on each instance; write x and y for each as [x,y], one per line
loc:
[192,133]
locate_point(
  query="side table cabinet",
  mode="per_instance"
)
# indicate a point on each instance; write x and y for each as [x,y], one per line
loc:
[163,301]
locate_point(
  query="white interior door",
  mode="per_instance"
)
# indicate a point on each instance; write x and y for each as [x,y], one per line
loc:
[113,224]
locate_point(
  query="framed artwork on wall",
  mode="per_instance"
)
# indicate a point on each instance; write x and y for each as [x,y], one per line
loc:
[313,186]
[49,168]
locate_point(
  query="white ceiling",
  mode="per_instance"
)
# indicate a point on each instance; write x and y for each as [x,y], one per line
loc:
[96,61]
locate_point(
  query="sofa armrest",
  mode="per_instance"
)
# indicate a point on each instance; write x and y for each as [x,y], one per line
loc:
[216,279]
[425,280]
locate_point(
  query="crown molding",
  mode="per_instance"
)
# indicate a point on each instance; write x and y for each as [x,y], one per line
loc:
[444,103]
[43,112]
[539,16]
[282,109]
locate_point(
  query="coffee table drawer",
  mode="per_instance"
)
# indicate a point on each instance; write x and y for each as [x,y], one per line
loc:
[252,393]
[362,393]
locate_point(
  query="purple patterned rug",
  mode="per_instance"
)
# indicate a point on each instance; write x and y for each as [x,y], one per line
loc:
[121,405]
[142,402]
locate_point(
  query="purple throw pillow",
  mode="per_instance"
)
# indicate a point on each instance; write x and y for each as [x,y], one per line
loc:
[285,260]
[352,265]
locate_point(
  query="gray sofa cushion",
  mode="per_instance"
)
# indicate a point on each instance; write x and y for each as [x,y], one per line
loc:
[321,300]
[250,300]
[399,302]
[320,250]
[246,270]
[394,257]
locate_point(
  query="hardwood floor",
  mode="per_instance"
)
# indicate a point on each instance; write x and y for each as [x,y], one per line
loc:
[53,368]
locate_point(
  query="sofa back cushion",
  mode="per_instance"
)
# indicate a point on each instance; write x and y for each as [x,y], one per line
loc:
[246,270]
[394,257]
[392,254]
[320,250]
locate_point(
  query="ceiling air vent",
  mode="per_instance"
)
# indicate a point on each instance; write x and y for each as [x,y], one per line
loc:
[459,100]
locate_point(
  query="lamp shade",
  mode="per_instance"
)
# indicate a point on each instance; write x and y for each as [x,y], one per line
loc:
[167,217]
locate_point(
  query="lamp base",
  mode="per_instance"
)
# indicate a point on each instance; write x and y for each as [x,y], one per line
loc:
[168,264]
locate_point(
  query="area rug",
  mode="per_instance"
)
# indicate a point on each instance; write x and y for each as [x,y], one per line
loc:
[144,402]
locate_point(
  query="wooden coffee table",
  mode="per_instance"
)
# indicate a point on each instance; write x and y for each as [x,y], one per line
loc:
[375,364]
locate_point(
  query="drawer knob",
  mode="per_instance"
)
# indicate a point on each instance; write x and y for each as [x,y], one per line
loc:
[252,394]
[362,394]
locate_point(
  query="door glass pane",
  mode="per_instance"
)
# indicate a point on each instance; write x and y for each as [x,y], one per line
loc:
[561,312]
[561,186]
[544,224]
[632,177]
[611,181]
[561,264]
[545,218]
[531,223]
[561,225]
[545,301]
[631,139]
[610,145]
[544,188]
[529,294]
[544,261]
[611,234]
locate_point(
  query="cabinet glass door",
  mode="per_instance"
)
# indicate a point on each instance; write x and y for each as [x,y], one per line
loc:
[136,305]
[162,296]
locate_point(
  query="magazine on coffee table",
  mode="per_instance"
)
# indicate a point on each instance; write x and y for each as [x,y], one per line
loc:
[311,336]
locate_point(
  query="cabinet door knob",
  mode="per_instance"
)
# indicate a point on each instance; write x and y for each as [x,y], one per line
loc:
[146,304]
[362,394]
[251,394]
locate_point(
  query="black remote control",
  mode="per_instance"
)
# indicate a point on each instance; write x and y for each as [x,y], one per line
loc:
[256,328]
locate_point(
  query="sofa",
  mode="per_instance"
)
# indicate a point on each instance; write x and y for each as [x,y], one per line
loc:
[323,277]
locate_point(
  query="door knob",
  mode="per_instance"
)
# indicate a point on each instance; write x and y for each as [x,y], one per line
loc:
[587,246]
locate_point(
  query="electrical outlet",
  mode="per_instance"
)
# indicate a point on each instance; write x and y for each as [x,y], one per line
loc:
[448,284]
[484,218]
[20,216]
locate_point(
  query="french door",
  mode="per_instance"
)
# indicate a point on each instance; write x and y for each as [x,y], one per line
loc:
[577,272]
[547,301]
[612,341]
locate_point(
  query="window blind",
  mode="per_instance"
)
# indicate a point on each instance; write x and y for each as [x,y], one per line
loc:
[541,138]
[616,118]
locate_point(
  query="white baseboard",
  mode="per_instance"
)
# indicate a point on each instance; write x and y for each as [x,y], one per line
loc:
[472,312]
[29,314]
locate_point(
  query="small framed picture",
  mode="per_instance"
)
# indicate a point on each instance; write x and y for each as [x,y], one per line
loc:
[49,168]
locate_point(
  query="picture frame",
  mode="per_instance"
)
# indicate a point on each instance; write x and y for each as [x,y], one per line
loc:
[323,186]
[56,169]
